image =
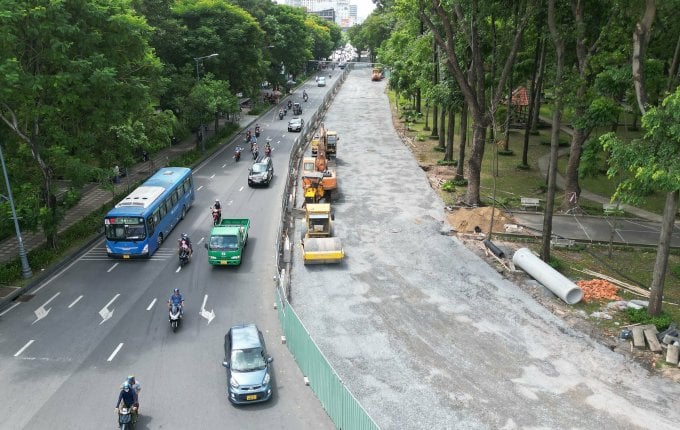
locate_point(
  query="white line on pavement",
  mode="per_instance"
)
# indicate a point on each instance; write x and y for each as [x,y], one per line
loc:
[115,351]
[199,242]
[153,302]
[241,189]
[112,267]
[54,277]
[199,188]
[213,175]
[224,165]
[10,308]
[112,300]
[75,301]
[178,269]
[18,353]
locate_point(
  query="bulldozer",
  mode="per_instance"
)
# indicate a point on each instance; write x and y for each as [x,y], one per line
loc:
[319,246]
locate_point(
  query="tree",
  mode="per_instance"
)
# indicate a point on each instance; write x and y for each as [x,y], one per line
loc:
[68,72]
[455,28]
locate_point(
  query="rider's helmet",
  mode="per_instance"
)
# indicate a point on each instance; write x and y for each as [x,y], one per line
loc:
[184,236]
[131,379]
[176,290]
[126,386]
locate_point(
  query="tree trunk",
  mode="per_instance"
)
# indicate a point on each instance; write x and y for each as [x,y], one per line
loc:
[442,127]
[450,130]
[460,170]
[427,117]
[472,196]
[508,118]
[662,253]
[535,118]
[435,81]
[640,41]
[555,135]
[532,100]
[418,101]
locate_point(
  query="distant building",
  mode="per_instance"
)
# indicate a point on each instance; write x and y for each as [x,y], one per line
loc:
[342,10]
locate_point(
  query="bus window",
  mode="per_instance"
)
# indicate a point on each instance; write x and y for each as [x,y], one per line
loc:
[162,210]
[173,199]
[150,225]
[180,191]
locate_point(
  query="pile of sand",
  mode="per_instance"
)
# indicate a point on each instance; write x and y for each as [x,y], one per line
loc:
[464,220]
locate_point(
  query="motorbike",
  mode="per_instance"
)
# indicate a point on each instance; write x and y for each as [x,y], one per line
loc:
[290,104]
[184,253]
[281,114]
[305,97]
[257,131]
[217,215]
[237,154]
[125,418]
[267,151]
[175,316]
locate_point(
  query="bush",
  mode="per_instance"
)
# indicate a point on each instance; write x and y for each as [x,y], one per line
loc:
[460,182]
[675,270]
[563,142]
[640,316]
[506,152]
[521,166]
[71,198]
[448,186]
[447,163]
[555,263]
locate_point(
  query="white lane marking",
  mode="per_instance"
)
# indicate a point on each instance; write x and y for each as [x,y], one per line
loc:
[115,351]
[205,314]
[213,175]
[112,267]
[105,313]
[75,301]
[224,165]
[199,188]
[18,353]
[178,269]
[54,277]
[241,189]
[41,312]
[153,302]
[230,202]
[10,308]
[199,242]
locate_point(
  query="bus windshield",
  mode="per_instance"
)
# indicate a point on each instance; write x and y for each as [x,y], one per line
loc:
[125,231]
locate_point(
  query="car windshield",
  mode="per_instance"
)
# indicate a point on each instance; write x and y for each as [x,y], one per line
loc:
[259,168]
[223,243]
[246,360]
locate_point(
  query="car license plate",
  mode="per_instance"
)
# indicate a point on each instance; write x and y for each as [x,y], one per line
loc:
[126,256]
[224,262]
[251,397]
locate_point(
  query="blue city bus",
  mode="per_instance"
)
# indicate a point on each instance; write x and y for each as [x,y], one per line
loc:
[140,222]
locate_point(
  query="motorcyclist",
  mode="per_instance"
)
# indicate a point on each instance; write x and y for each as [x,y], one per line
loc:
[257,130]
[304,95]
[290,105]
[135,384]
[281,114]
[176,299]
[256,151]
[128,397]
[237,152]
[185,240]
[217,211]
[267,148]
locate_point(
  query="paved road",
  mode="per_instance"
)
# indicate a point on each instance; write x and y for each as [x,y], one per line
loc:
[69,355]
[424,333]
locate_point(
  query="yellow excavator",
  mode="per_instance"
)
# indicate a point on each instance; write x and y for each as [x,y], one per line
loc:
[319,246]
[318,176]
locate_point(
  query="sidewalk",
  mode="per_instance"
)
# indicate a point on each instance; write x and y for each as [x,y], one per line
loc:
[94,196]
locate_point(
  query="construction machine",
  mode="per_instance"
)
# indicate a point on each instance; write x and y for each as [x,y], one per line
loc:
[319,246]
[318,175]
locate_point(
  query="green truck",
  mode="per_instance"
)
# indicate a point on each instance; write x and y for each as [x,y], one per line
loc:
[227,241]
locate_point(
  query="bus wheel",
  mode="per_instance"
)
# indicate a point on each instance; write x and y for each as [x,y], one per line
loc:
[184,212]
[160,239]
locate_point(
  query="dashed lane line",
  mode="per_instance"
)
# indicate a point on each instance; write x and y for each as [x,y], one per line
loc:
[23,348]
[153,302]
[115,351]
[75,301]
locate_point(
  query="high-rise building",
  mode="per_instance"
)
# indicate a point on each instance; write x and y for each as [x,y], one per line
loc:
[341,7]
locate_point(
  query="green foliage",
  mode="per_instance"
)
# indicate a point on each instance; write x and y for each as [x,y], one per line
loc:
[640,316]
[521,166]
[447,162]
[563,143]
[71,198]
[448,186]
[460,182]
[555,263]
[675,270]
[506,152]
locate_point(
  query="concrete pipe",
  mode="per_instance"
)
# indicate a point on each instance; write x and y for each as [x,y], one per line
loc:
[546,275]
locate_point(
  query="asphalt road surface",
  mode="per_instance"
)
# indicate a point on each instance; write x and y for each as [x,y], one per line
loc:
[65,352]
[424,333]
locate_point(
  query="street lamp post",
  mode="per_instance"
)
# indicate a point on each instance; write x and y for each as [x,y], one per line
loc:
[25,268]
[198,78]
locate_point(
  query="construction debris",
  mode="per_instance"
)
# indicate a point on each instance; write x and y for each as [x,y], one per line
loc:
[598,289]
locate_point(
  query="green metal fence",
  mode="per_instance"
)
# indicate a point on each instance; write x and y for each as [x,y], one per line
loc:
[343,408]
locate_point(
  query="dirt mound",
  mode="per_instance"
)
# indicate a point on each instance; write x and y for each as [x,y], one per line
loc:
[464,220]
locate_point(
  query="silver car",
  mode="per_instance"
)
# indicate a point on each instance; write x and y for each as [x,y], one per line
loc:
[296,124]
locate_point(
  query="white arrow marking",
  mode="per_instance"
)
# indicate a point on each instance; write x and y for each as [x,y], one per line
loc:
[115,351]
[18,353]
[41,313]
[112,267]
[153,302]
[105,313]
[178,269]
[205,314]
[75,301]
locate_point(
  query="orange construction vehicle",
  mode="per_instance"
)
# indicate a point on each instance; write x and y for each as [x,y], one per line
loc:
[318,175]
